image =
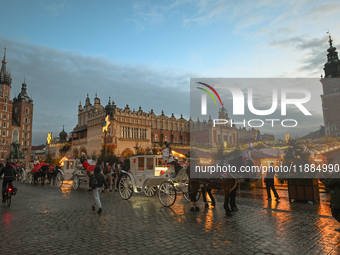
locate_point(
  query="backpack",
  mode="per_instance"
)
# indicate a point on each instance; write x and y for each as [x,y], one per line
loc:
[95,182]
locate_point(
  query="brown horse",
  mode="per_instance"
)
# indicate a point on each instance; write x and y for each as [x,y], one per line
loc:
[226,184]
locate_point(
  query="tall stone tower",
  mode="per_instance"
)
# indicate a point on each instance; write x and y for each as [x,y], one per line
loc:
[331,92]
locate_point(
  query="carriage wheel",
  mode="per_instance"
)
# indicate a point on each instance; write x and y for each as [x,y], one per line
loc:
[59,180]
[125,187]
[9,199]
[150,192]
[76,182]
[187,196]
[167,194]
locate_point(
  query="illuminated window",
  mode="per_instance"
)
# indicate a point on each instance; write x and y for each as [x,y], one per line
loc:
[156,137]
[166,138]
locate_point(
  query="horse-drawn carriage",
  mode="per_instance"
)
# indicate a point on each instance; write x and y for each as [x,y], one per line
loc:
[42,173]
[149,173]
[77,172]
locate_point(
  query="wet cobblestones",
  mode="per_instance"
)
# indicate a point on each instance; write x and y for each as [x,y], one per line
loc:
[44,219]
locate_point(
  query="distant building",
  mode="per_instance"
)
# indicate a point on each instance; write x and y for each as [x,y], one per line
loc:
[16,117]
[331,92]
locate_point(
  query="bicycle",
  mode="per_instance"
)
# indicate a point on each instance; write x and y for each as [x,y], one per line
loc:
[9,192]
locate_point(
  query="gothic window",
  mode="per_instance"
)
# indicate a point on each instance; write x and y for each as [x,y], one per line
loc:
[4,124]
[5,100]
[27,111]
[184,139]
[25,143]
[166,138]
[25,127]
[156,137]
[176,139]
[16,110]
[25,136]
[15,135]
[5,108]
[4,116]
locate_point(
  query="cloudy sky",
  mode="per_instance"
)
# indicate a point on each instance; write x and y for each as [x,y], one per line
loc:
[143,53]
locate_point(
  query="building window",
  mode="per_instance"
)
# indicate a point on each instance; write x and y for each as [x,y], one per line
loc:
[337,134]
[4,125]
[333,127]
[25,127]
[184,139]
[143,134]
[25,136]
[4,116]
[27,111]
[4,133]
[125,132]
[5,108]
[25,143]
[156,137]
[135,133]
[16,110]
[336,90]
[166,138]
[176,140]
[5,100]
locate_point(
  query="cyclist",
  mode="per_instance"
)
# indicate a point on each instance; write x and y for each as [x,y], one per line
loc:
[9,175]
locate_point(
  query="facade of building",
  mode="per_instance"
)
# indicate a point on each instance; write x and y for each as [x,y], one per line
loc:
[16,117]
[128,130]
[131,129]
[331,92]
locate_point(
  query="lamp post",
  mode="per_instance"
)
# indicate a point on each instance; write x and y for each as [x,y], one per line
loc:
[105,127]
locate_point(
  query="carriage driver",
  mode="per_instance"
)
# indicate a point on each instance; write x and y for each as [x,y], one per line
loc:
[169,158]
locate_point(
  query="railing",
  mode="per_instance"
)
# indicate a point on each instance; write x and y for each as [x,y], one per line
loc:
[79,141]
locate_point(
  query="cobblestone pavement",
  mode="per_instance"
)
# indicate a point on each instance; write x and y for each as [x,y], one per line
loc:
[48,220]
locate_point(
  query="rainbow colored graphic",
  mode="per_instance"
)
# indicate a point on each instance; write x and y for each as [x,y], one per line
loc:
[209,93]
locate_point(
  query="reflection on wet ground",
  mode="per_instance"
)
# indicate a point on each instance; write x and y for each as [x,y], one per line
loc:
[141,225]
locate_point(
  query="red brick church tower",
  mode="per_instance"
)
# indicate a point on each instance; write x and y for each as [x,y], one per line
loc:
[16,119]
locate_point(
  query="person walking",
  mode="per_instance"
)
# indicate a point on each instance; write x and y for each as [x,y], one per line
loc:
[97,180]
[269,180]
[334,185]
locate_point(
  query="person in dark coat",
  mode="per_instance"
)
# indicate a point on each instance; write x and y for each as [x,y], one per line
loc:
[269,180]
[9,175]
[96,188]
[334,185]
